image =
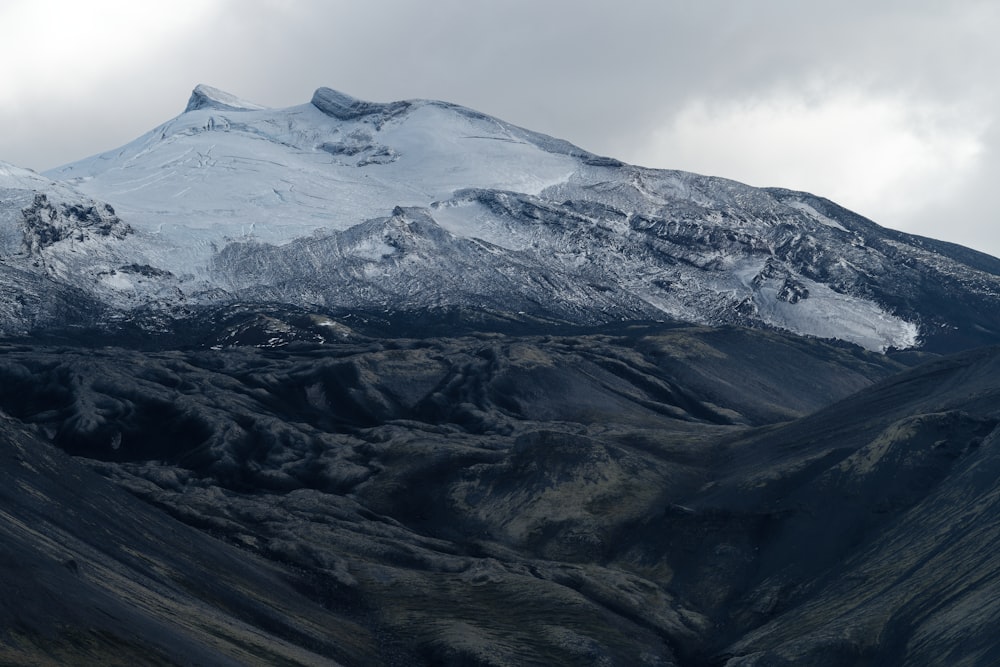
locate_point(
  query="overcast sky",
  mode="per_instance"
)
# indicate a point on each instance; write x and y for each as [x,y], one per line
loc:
[887,107]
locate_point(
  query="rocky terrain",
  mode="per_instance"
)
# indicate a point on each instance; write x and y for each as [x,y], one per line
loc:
[399,384]
[643,495]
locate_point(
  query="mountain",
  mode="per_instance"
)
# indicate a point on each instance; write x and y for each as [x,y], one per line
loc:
[402,384]
[341,205]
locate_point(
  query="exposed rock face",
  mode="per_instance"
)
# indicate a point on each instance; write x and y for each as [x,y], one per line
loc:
[46,224]
[408,261]
[344,107]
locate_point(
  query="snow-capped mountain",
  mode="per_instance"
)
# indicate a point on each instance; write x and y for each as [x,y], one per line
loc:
[341,204]
[455,477]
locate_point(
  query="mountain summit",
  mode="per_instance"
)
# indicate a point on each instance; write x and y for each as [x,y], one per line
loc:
[207,97]
[232,203]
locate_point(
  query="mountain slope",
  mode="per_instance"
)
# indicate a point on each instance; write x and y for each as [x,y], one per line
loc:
[370,502]
[655,495]
[877,519]
[230,202]
[93,576]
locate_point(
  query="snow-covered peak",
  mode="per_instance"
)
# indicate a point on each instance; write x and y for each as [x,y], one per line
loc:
[225,170]
[207,97]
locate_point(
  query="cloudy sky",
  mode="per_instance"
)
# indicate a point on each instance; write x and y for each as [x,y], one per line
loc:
[889,107]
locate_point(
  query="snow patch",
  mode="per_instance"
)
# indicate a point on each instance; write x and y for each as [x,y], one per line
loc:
[815,215]
[117,281]
[829,314]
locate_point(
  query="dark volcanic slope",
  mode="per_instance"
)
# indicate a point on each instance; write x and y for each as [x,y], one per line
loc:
[871,527]
[91,575]
[653,496]
[455,501]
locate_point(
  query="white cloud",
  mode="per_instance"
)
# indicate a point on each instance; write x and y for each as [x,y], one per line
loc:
[884,156]
[64,48]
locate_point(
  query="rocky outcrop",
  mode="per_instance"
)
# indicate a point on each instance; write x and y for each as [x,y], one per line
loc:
[344,107]
[47,223]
